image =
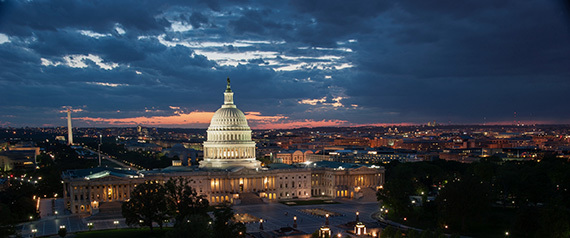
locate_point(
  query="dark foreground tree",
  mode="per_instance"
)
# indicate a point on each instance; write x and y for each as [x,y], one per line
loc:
[193,226]
[146,205]
[224,225]
[463,203]
[183,201]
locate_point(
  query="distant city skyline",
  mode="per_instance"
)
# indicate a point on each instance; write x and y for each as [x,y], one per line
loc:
[292,64]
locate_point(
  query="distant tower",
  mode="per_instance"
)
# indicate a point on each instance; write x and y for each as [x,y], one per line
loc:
[69,129]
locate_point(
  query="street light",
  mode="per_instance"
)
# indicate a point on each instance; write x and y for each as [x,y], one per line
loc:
[116,224]
[62,231]
[260,224]
[294,221]
[34,231]
[90,225]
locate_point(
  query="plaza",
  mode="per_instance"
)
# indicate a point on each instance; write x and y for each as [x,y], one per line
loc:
[275,216]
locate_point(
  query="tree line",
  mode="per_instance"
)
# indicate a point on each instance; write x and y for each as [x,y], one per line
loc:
[486,198]
[153,202]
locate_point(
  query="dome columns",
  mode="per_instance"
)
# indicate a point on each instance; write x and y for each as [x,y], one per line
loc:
[229,141]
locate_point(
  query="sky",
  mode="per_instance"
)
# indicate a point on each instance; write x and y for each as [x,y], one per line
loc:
[292,63]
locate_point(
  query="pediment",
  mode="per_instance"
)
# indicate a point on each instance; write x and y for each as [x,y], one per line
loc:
[243,171]
[107,177]
[363,169]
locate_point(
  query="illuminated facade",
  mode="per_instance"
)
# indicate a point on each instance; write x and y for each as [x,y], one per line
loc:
[293,156]
[229,141]
[228,173]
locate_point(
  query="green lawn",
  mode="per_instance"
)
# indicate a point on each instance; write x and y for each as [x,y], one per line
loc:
[308,202]
[124,233]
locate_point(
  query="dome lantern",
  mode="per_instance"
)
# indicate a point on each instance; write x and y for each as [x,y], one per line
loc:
[229,141]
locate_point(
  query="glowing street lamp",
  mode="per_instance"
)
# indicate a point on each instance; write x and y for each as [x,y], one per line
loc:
[62,231]
[90,225]
[260,224]
[34,231]
[294,221]
[116,224]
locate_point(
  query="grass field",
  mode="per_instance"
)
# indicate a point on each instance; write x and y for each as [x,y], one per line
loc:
[124,233]
[307,202]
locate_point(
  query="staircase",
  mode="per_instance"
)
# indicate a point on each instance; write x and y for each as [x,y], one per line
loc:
[368,195]
[108,210]
[250,198]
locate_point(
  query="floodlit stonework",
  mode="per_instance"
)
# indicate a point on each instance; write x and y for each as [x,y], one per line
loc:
[228,173]
[229,141]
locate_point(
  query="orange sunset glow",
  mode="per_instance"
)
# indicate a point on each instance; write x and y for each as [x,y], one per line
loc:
[200,119]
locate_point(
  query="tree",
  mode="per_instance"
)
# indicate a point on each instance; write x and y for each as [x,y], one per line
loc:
[388,232]
[197,225]
[146,205]
[463,201]
[183,201]
[224,226]
[554,221]
[412,233]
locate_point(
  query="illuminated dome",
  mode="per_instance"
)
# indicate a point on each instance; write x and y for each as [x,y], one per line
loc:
[229,141]
[228,118]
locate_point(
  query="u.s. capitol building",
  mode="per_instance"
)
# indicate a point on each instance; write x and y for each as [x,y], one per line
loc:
[228,173]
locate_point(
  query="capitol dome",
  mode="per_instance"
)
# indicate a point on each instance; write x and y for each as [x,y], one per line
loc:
[229,141]
[228,118]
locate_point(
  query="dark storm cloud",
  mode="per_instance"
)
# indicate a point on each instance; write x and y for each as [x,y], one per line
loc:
[197,19]
[23,18]
[359,61]
[473,62]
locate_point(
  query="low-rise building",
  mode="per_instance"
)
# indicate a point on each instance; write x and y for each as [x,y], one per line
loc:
[228,173]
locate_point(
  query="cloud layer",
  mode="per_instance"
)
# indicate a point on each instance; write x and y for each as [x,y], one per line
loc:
[292,63]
